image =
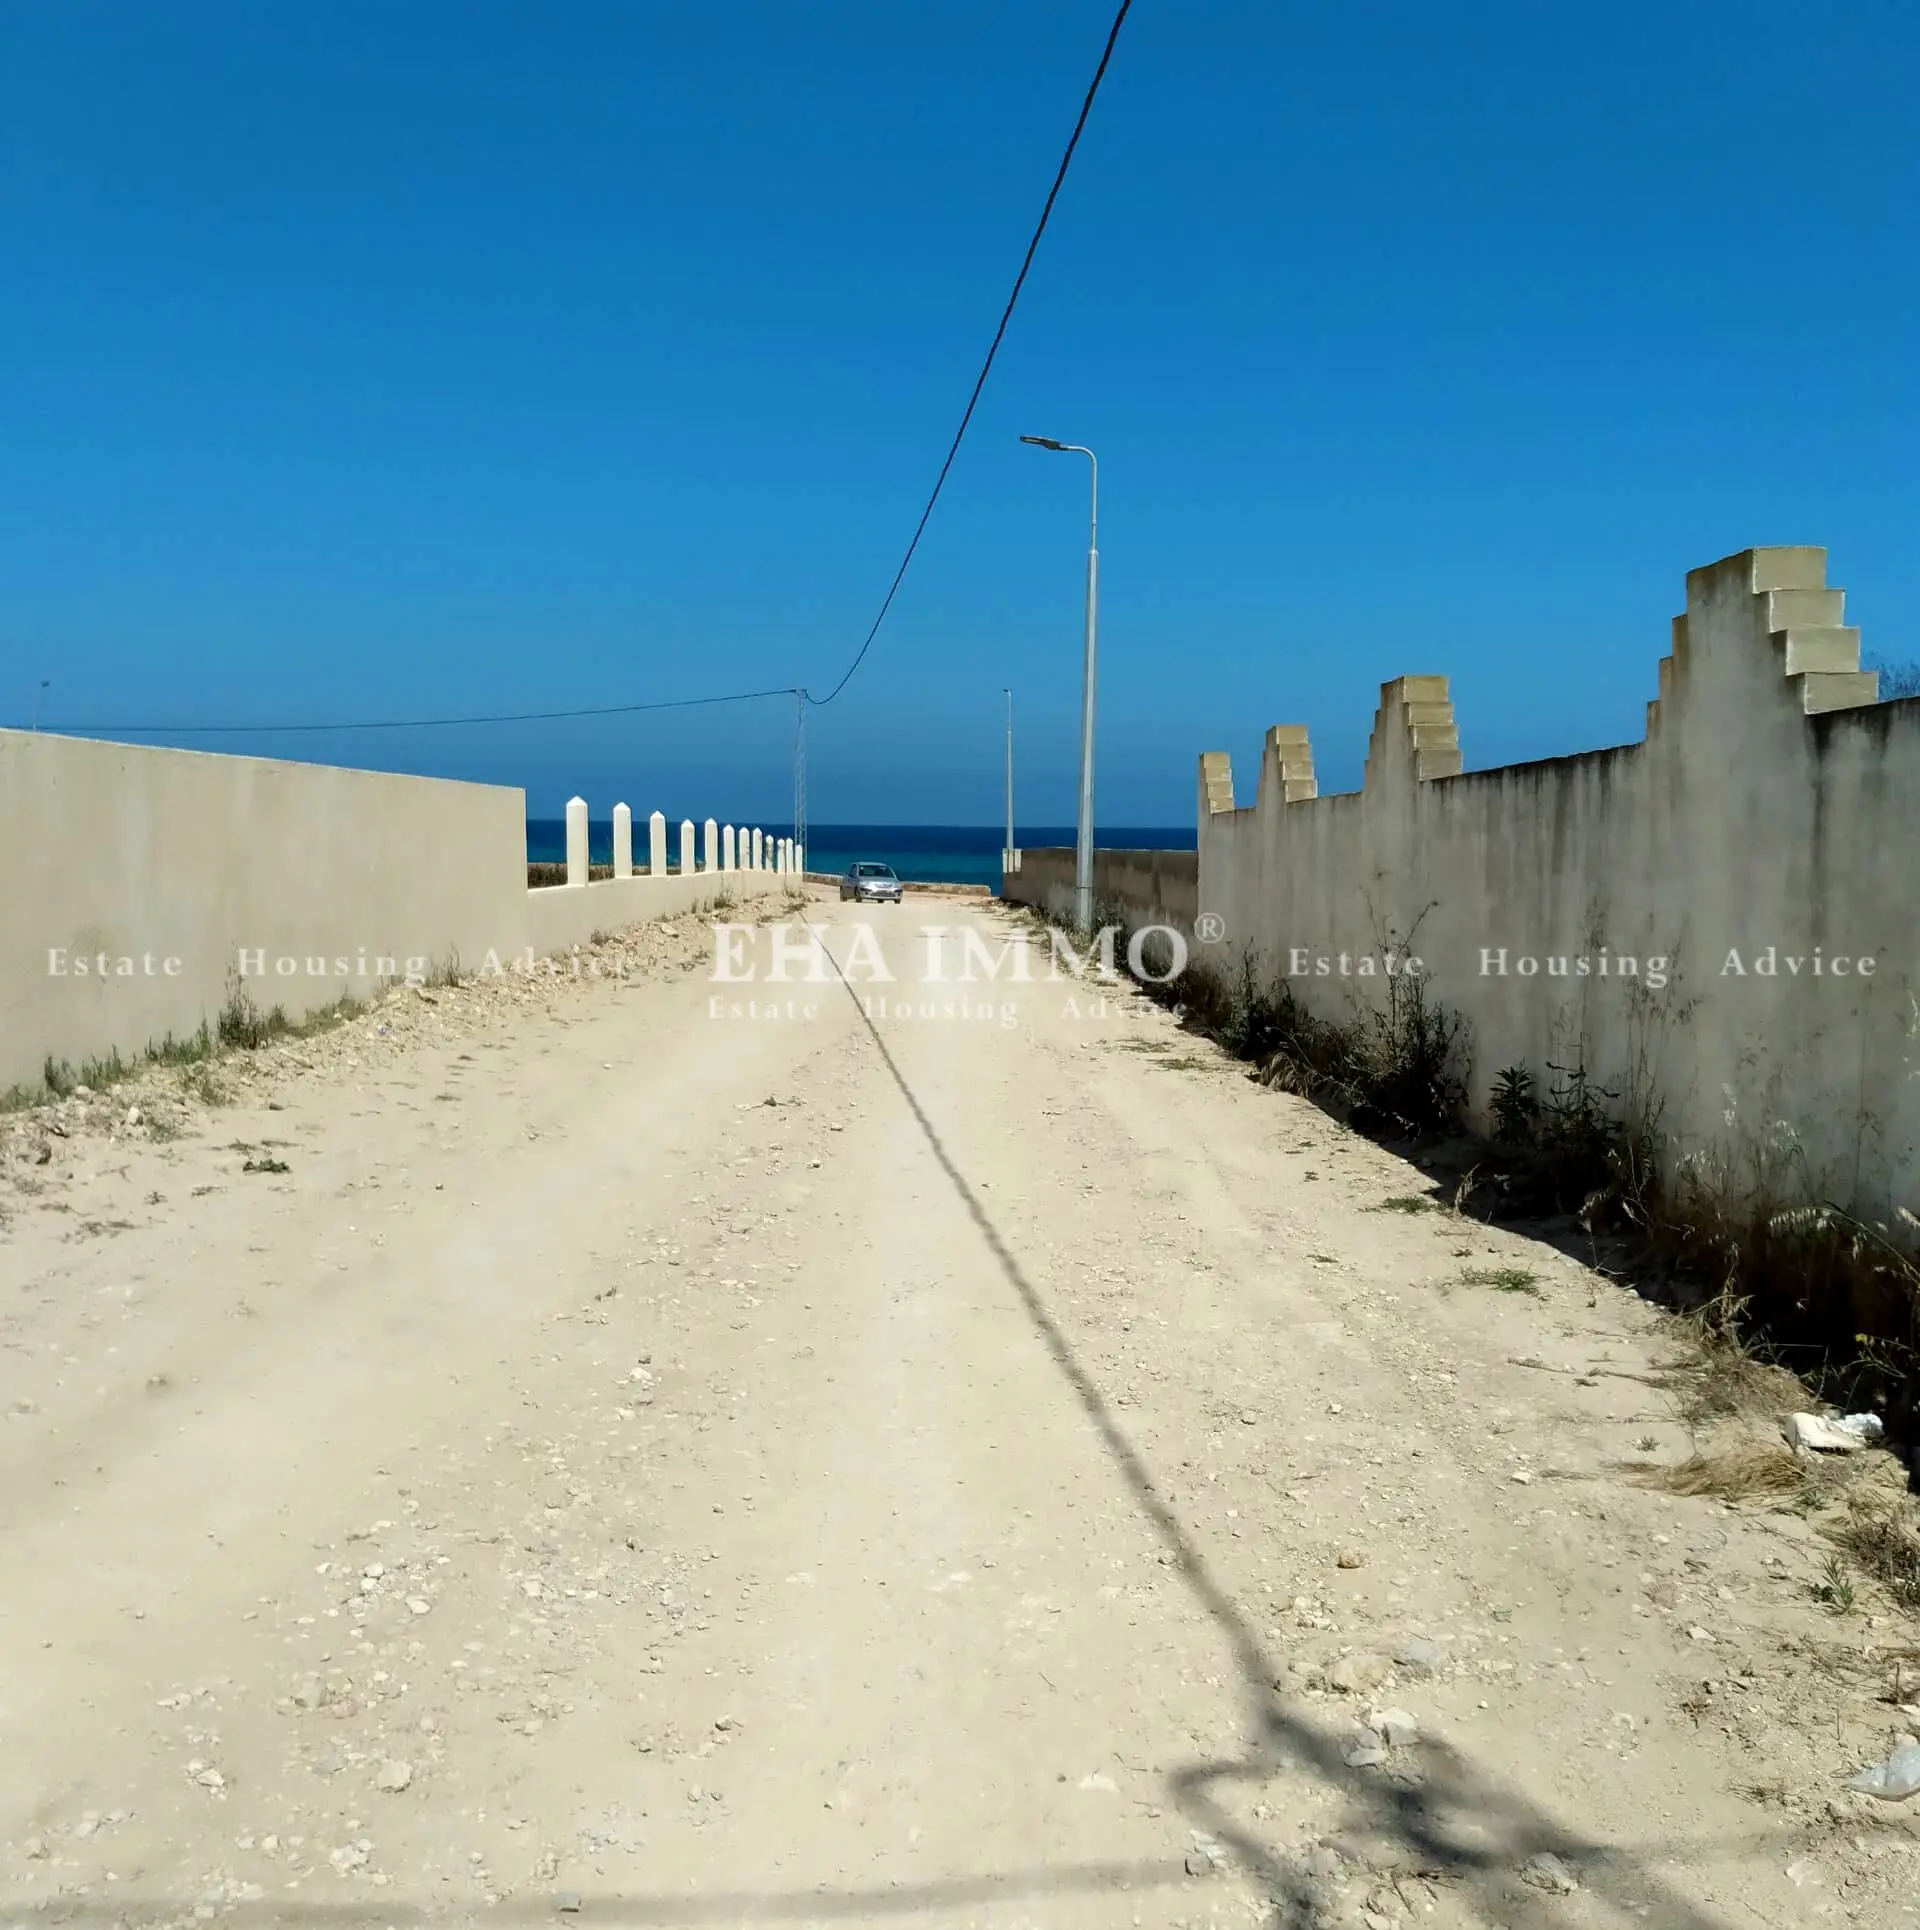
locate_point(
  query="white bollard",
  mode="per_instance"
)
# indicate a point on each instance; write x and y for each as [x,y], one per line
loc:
[576,841]
[622,842]
[727,851]
[800,860]
[657,844]
[688,862]
[755,861]
[710,847]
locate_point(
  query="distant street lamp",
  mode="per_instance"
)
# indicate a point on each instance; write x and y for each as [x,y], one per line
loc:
[1083,849]
[37,695]
[1007,863]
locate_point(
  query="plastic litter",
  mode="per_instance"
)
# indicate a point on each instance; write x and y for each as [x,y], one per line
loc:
[1834,1434]
[1894,1780]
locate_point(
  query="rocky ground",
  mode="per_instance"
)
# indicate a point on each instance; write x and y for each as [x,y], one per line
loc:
[616,1448]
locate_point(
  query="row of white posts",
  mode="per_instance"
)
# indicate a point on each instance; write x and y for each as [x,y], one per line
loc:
[723,847]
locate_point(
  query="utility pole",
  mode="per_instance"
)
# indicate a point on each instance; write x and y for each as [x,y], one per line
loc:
[1008,862]
[800,781]
[1083,846]
[37,695]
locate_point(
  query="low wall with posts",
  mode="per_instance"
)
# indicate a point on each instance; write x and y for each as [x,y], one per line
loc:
[141,889]
[1720,923]
[1153,887]
[717,865]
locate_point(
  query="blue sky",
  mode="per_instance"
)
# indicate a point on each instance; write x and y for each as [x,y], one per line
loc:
[377,359]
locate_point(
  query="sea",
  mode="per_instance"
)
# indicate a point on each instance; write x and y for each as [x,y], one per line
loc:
[933,854]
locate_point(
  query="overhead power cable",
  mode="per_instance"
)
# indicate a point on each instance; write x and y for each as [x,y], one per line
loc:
[413,723]
[1019,281]
[736,697]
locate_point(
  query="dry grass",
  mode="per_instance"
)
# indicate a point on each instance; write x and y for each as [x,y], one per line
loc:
[1882,1534]
[1751,1469]
[1719,1379]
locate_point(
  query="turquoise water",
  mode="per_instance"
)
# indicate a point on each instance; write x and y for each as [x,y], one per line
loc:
[945,854]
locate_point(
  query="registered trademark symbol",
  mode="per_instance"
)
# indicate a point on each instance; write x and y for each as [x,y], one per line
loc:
[1209,928]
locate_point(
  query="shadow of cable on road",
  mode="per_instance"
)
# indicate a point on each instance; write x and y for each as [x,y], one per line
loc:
[1456,1822]
[132,1911]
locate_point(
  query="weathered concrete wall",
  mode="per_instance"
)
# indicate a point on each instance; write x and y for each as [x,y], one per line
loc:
[181,870]
[562,916]
[1155,887]
[172,863]
[1773,810]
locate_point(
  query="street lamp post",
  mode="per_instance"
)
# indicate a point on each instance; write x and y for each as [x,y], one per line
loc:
[1083,849]
[1007,862]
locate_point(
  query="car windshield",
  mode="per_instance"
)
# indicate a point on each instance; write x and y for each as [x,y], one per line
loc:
[872,871]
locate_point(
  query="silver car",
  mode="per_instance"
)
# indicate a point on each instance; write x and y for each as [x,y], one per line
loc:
[870,884]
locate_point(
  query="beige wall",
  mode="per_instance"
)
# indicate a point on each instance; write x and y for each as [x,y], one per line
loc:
[175,864]
[562,916]
[1156,887]
[179,861]
[1773,803]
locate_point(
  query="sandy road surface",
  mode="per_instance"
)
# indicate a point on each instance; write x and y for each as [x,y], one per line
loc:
[638,1466]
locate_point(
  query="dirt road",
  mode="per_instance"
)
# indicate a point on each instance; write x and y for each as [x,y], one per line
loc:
[827,1465]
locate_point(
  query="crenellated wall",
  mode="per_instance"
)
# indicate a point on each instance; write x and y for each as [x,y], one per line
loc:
[1774,804]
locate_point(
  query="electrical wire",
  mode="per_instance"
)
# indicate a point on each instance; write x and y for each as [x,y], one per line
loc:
[410,723]
[739,697]
[940,482]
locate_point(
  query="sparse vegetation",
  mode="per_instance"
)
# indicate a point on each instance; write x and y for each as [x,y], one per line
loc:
[1572,1149]
[1791,1294]
[1404,1203]
[1390,1070]
[1835,1586]
[60,1079]
[240,1026]
[1880,1533]
[1719,1376]
[1503,1279]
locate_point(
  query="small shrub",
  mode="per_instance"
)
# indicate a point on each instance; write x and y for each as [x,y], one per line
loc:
[1259,1024]
[1835,1586]
[202,1082]
[1503,1279]
[1515,1110]
[1881,1535]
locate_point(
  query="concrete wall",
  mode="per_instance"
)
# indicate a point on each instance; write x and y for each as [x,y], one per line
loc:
[1773,804]
[562,916]
[183,869]
[1155,887]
